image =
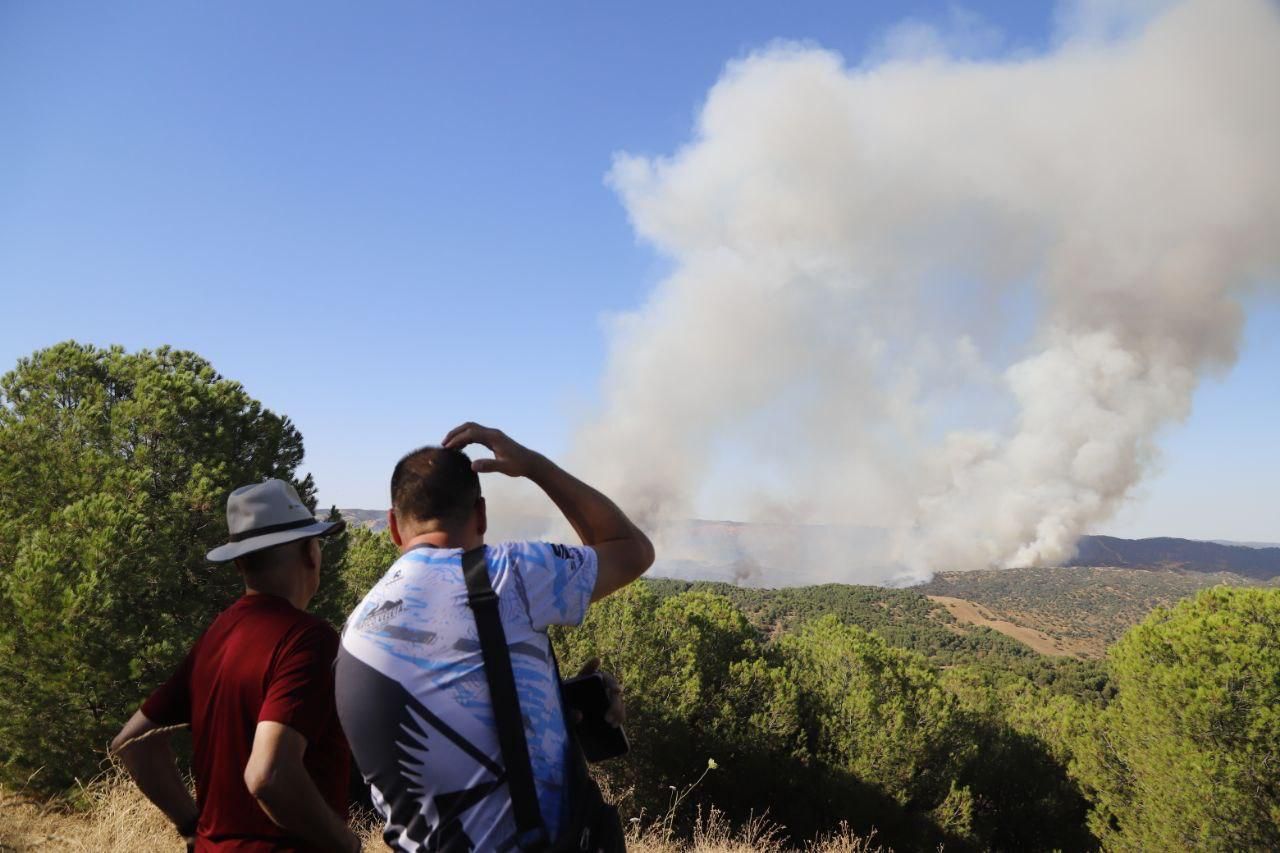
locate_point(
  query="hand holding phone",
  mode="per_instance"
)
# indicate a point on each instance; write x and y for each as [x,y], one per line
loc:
[587,700]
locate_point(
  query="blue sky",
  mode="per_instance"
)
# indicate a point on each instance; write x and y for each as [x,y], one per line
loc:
[386,219]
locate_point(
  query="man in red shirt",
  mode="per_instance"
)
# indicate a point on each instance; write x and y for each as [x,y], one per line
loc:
[270,761]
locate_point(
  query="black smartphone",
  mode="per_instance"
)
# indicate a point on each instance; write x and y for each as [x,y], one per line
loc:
[589,696]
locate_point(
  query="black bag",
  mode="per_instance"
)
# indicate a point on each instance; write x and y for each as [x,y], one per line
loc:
[593,825]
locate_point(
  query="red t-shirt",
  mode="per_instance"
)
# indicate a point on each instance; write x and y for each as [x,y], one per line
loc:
[261,659]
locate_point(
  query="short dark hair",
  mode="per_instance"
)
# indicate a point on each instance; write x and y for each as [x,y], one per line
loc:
[434,484]
[257,562]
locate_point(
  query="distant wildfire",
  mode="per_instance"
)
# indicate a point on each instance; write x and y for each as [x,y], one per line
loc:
[950,298]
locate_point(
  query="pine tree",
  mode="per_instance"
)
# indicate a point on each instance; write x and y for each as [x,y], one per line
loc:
[114,473]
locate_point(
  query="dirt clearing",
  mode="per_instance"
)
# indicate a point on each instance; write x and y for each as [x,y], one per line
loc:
[975,614]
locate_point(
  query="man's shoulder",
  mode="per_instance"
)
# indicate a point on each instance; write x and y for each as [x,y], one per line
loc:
[310,622]
[309,635]
[285,613]
[291,625]
[315,629]
[540,551]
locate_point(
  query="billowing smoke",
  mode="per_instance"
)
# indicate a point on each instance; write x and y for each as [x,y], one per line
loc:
[951,299]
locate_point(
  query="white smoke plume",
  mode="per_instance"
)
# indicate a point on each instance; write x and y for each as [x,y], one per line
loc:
[953,299]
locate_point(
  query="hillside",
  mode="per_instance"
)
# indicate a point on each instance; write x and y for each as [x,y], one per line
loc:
[1082,609]
[969,613]
[1166,552]
[374,519]
[907,619]
[1007,614]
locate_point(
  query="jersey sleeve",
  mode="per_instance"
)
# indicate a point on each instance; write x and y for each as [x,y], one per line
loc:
[170,704]
[300,694]
[558,581]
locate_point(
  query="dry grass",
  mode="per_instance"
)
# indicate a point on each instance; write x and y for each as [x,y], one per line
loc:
[714,834]
[111,816]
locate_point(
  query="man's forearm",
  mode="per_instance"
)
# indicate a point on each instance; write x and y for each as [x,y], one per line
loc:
[294,804]
[594,517]
[154,769]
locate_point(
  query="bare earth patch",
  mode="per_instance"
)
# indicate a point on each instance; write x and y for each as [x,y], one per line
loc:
[970,613]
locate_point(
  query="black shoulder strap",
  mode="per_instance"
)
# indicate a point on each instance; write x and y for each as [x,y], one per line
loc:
[531,831]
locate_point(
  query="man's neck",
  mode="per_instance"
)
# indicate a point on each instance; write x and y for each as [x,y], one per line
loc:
[443,539]
[287,588]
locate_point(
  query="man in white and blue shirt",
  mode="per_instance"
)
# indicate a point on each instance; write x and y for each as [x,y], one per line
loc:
[411,688]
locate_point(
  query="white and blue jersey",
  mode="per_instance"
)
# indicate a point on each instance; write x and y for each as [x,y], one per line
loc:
[414,701]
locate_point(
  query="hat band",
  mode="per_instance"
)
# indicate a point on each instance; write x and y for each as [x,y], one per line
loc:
[272,528]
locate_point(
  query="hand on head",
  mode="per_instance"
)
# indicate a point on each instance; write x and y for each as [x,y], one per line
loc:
[509,457]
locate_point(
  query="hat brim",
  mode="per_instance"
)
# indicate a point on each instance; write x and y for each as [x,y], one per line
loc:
[235,550]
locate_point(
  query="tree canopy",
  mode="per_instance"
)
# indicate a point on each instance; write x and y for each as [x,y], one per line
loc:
[1186,756]
[114,473]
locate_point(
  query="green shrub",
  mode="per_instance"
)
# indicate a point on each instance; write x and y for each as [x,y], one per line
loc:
[360,557]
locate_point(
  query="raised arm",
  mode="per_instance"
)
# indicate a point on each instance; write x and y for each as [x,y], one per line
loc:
[623,552]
